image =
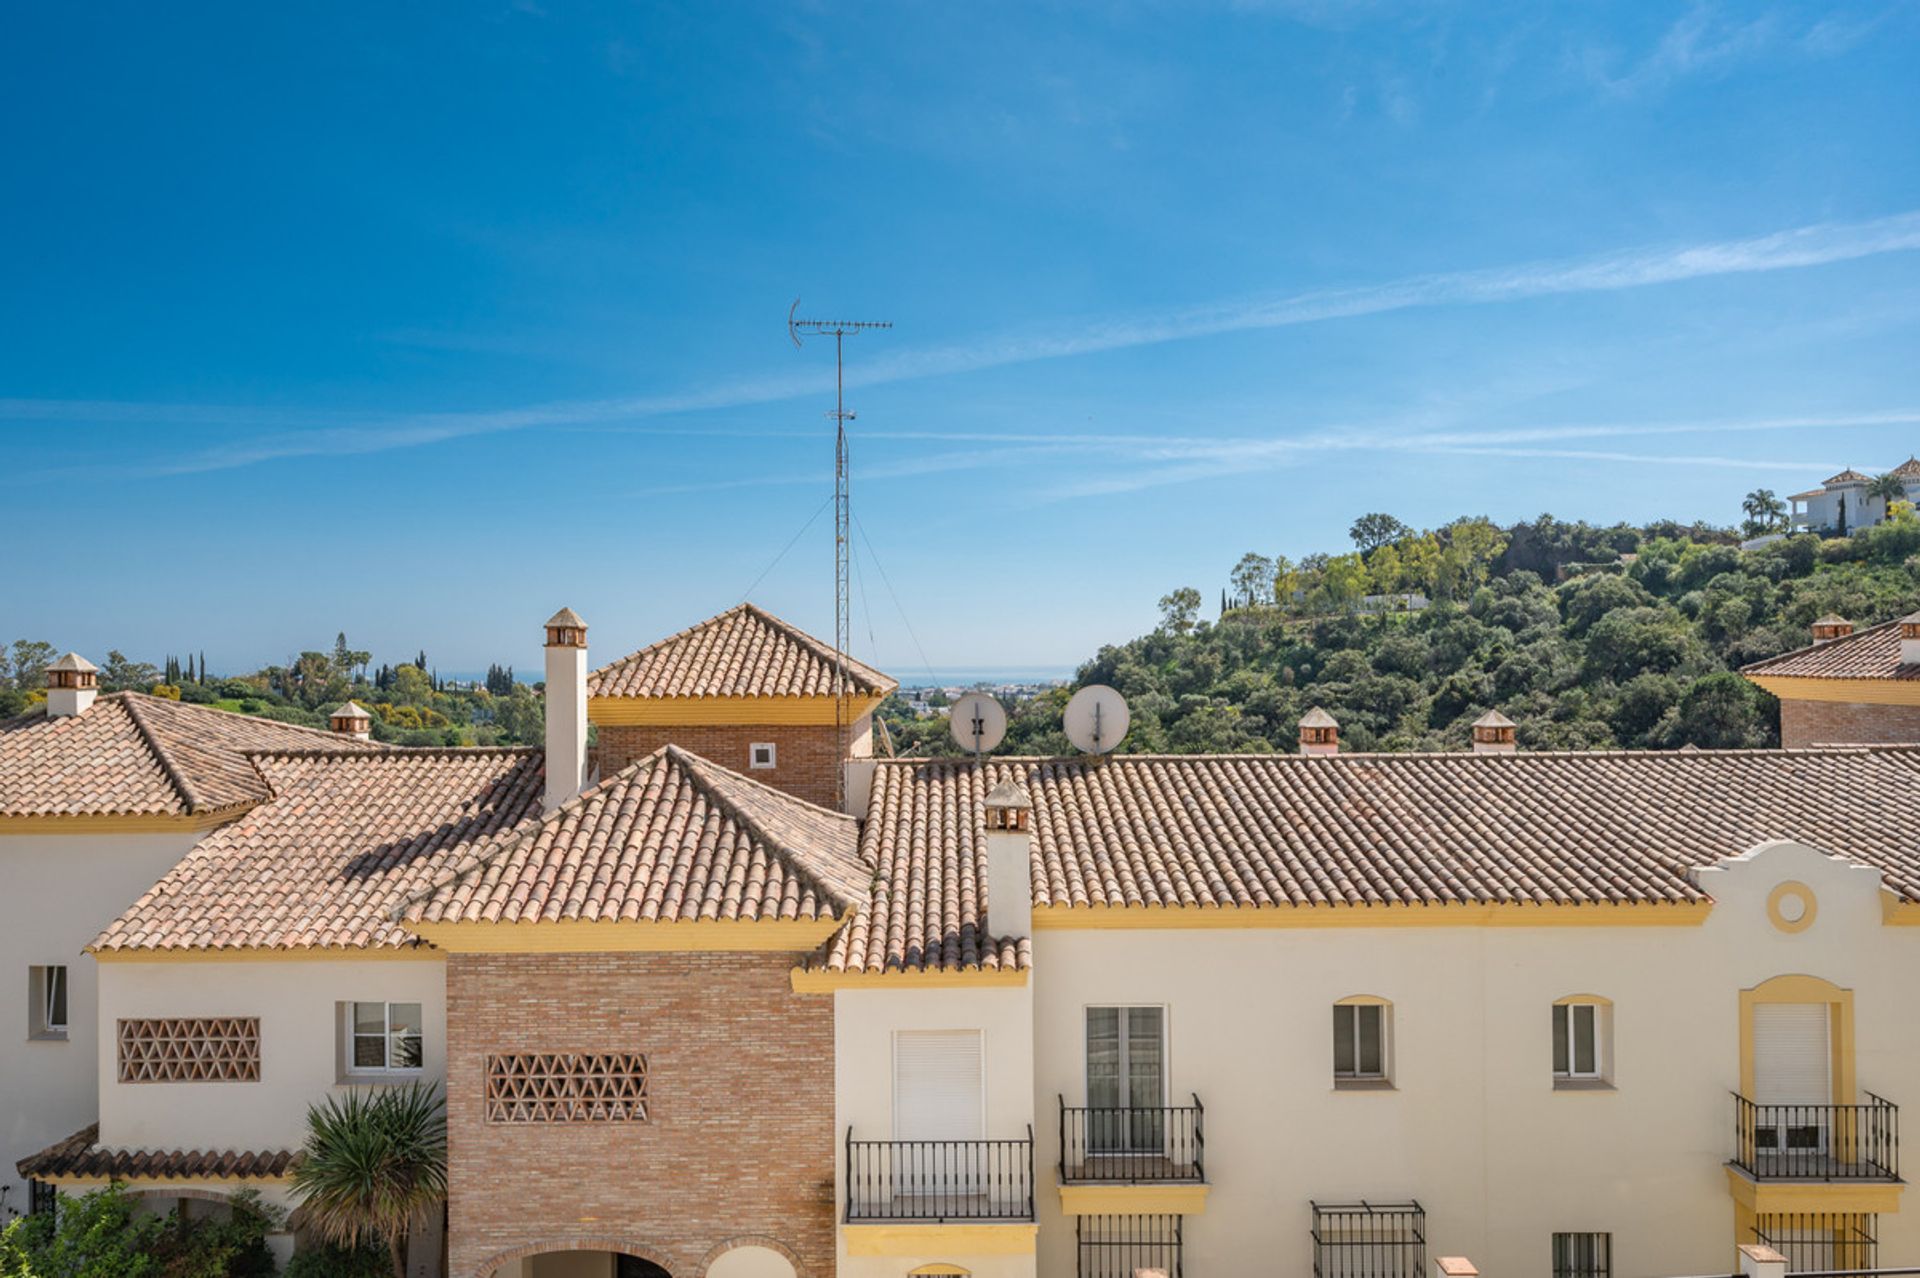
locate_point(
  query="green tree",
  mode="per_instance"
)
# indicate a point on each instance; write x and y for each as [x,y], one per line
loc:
[1179,609]
[1344,579]
[1252,579]
[1371,531]
[118,673]
[1889,488]
[1286,580]
[1765,511]
[31,657]
[374,1166]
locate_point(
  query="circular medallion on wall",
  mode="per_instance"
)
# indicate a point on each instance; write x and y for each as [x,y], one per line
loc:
[1791,907]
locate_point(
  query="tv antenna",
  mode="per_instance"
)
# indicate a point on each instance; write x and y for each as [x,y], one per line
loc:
[839,330]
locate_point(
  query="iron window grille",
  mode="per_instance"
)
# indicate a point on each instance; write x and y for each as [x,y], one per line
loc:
[1369,1240]
[1821,1242]
[43,1198]
[1583,1256]
[1120,1246]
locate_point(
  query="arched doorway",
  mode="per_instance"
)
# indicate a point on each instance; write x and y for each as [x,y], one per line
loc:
[583,1263]
[637,1267]
[750,1261]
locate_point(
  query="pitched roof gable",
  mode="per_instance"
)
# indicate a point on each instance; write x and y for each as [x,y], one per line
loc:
[671,837]
[1872,652]
[744,652]
[131,754]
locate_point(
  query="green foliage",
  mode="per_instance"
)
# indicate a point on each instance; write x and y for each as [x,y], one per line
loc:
[1620,653]
[374,1164]
[332,1261]
[105,1234]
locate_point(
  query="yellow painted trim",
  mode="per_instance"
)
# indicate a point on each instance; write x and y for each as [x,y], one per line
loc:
[1897,912]
[943,1271]
[1878,692]
[95,1182]
[260,954]
[1810,906]
[121,822]
[1768,1197]
[818,982]
[1686,914]
[1125,1200]
[1595,1000]
[953,1240]
[701,711]
[579,936]
[1363,1000]
[1803,989]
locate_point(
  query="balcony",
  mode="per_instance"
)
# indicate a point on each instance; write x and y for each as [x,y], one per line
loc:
[939,1182]
[1818,1143]
[1133,1159]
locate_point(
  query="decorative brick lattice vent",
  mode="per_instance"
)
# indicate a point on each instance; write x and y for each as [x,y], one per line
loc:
[197,1049]
[567,1087]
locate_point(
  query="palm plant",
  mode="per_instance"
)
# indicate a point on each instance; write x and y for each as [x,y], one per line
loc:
[1889,488]
[1765,510]
[374,1165]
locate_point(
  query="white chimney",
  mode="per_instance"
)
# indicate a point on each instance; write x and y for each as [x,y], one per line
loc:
[1910,639]
[352,720]
[72,684]
[1493,733]
[1009,861]
[1319,732]
[566,707]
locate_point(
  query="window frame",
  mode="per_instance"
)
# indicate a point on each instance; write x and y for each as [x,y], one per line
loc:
[1581,1254]
[1566,1038]
[753,756]
[1356,1078]
[49,985]
[350,1035]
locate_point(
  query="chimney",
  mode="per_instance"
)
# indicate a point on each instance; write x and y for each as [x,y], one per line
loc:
[1493,734]
[566,707]
[72,684]
[1319,733]
[1831,627]
[1910,639]
[351,720]
[1009,861]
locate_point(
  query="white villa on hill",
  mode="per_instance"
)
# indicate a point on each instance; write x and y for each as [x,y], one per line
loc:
[1842,504]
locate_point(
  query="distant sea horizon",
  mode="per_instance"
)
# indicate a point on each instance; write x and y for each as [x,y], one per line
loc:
[909,676]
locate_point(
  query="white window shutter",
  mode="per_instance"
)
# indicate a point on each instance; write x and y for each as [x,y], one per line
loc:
[1791,1054]
[937,1084]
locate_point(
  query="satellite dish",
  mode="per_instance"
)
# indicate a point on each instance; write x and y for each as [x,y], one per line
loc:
[979,722]
[1096,719]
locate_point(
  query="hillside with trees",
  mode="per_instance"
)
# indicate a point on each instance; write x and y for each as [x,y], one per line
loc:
[1587,637]
[410,703]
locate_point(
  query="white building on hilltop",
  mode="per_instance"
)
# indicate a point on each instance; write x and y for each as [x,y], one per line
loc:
[1842,504]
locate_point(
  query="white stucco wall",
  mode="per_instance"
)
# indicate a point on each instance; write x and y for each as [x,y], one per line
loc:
[1473,1127]
[865,1022]
[296,1001]
[57,891]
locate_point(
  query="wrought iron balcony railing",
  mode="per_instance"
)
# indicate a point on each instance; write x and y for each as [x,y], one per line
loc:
[1132,1145]
[938,1181]
[1817,1142]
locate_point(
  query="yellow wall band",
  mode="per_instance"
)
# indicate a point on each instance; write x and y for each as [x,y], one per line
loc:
[577,936]
[1878,692]
[819,982]
[262,954]
[121,822]
[1686,914]
[702,711]
[1131,1200]
[949,1240]
[1767,1197]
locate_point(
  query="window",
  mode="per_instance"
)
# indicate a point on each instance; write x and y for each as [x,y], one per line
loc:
[47,1002]
[1580,1041]
[383,1038]
[1360,1042]
[43,1199]
[761,754]
[1583,1256]
[1369,1240]
[1126,1079]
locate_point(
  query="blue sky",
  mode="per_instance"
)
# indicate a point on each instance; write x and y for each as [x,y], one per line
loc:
[421,321]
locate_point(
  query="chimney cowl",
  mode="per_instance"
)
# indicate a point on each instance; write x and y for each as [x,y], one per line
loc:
[1830,627]
[353,720]
[1319,732]
[1494,733]
[565,629]
[1009,808]
[72,684]
[1910,639]
[566,708]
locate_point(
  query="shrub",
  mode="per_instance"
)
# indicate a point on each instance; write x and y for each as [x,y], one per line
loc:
[332,1261]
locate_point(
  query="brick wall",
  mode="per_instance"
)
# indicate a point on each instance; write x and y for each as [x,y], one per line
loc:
[739,1135]
[1808,723]
[807,758]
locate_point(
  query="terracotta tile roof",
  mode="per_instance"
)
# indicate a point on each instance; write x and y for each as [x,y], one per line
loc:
[1872,652]
[1908,469]
[1848,476]
[670,837]
[1272,830]
[80,1155]
[743,652]
[132,754]
[344,840]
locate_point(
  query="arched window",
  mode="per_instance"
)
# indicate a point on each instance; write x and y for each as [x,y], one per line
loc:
[1362,1042]
[1582,1041]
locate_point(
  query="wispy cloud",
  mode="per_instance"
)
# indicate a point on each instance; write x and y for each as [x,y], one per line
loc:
[1707,40]
[291,433]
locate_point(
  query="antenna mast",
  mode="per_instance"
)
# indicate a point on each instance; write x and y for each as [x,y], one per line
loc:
[838,330]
